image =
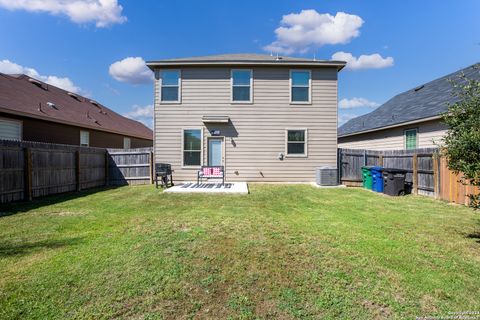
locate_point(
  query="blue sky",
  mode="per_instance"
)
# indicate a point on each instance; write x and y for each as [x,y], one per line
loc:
[73,43]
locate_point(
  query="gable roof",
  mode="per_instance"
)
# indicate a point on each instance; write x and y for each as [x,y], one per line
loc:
[25,96]
[427,101]
[245,59]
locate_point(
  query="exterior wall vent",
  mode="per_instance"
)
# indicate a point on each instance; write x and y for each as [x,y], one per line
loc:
[326,176]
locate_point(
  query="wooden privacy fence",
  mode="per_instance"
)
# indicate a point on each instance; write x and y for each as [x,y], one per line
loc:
[130,166]
[450,187]
[30,169]
[427,172]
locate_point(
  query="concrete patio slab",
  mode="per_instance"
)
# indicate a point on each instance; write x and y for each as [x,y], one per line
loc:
[193,187]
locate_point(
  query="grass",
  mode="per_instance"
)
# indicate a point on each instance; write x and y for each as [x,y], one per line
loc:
[282,252]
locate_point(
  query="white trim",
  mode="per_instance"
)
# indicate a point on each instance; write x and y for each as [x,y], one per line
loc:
[305,154]
[309,86]
[251,87]
[401,124]
[184,166]
[15,120]
[154,129]
[88,138]
[405,138]
[179,84]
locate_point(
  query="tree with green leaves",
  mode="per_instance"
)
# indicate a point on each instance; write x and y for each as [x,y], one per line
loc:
[462,141]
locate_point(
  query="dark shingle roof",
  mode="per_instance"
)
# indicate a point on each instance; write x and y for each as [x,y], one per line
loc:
[425,101]
[244,59]
[22,95]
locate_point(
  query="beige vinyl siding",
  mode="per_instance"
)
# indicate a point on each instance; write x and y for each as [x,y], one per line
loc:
[256,134]
[429,133]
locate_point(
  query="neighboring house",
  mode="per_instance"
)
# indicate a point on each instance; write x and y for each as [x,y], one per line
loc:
[32,110]
[409,120]
[264,118]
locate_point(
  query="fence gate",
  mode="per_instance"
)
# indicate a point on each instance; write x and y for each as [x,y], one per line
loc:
[130,166]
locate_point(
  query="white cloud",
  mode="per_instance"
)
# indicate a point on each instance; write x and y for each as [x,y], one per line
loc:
[298,32]
[356,103]
[372,61]
[65,83]
[143,114]
[102,12]
[131,70]
[342,118]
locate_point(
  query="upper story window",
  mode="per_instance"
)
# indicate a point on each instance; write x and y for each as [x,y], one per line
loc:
[84,138]
[300,81]
[170,86]
[127,142]
[242,85]
[411,139]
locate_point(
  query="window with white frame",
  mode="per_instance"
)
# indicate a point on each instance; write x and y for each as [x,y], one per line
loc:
[411,139]
[84,138]
[192,147]
[296,142]
[170,86]
[10,129]
[127,142]
[241,85]
[300,86]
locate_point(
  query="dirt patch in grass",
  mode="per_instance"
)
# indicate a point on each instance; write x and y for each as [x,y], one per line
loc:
[66,213]
[378,310]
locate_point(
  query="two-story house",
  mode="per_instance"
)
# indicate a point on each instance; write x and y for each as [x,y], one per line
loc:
[265,118]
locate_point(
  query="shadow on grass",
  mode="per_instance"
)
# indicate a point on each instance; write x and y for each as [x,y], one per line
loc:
[9,249]
[24,206]
[474,235]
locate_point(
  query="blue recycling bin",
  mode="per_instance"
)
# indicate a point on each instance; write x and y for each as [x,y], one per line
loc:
[377,178]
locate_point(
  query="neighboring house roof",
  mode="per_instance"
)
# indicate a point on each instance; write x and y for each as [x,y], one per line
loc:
[245,59]
[427,101]
[25,96]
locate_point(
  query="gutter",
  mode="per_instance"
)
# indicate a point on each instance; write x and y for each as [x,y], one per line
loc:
[401,124]
[165,63]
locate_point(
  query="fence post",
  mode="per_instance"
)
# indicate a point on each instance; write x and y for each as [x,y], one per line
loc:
[380,160]
[28,174]
[339,166]
[106,167]
[364,157]
[151,168]
[415,174]
[436,178]
[77,170]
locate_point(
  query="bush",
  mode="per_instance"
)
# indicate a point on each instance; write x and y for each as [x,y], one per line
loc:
[462,141]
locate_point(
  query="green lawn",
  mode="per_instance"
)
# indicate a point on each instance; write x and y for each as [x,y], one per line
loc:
[282,252]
